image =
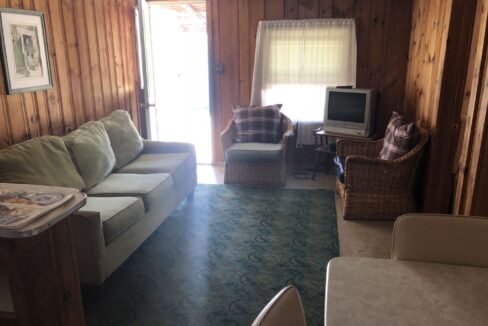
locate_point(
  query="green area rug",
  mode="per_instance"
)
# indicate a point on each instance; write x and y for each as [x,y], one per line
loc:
[217,260]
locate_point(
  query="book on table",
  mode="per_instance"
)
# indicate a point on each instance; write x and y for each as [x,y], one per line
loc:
[20,204]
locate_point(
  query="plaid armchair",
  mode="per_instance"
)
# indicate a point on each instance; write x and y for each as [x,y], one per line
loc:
[375,188]
[258,164]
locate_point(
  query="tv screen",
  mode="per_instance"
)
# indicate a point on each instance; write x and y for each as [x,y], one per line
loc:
[346,107]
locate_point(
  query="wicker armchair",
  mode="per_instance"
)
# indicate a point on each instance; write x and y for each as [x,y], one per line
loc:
[375,188]
[266,173]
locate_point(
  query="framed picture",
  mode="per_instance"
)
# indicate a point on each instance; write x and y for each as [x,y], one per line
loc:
[25,54]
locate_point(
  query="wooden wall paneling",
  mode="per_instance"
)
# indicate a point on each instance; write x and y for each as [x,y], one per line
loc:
[325,7]
[275,9]
[443,151]
[375,55]
[343,8]
[230,57]
[308,9]
[477,190]
[30,99]
[291,7]
[93,64]
[56,124]
[123,44]
[470,107]
[93,52]
[110,53]
[62,65]
[132,68]
[434,89]
[17,120]
[383,29]
[395,56]
[29,107]
[245,75]
[74,61]
[256,13]
[105,72]
[84,57]
[117,54]
[362,14]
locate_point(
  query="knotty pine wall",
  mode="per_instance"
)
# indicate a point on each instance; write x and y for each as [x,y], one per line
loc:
[471,186]
[434,90]
[94,68]
[383,29]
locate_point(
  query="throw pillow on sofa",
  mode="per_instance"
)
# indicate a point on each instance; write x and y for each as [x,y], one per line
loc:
[257,124]
[400,138]
[40,161]
[124,137]
[91,152]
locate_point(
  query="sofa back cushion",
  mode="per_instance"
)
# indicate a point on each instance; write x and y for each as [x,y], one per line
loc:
[91,152]
[260,124]
[400,138]
[40,161]
[124,137]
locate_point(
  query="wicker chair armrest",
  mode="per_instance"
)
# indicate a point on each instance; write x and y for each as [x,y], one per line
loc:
[287,132]
[378,176]
[227,136]
[367,148]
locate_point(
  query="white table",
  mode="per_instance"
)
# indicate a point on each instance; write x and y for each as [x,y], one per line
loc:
[367,291]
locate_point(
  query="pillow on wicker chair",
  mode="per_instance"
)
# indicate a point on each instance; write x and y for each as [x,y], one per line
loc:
[400,138]
[257,124]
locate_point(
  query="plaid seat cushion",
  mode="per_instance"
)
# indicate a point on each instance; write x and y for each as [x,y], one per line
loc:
[260,124]
[400,138]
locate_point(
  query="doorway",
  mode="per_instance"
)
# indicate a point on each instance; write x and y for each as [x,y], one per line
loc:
[178,36]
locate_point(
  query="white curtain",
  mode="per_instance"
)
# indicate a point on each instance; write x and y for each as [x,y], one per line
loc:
[296,60]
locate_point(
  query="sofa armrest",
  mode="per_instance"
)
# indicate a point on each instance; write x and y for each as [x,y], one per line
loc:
[227,135]
[448,239]
[157,147]
[88,236]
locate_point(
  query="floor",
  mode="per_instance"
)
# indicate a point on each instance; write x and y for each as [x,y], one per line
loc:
[356,238]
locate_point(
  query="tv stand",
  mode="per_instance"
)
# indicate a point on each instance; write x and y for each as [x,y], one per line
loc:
[347,136]
[323,148]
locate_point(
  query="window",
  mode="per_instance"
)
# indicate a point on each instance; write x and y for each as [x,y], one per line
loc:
[296,60]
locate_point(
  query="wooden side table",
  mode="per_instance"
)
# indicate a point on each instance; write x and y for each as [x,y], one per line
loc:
[323,146]
[322,149]
[39,282]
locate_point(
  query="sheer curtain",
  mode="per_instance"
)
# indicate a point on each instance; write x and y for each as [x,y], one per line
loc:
[296,60]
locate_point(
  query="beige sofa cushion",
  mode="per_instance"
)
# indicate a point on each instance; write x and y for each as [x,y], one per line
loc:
[124,137]
[179,165]
[118,214]
[41,161]
[150,187]
[91,152]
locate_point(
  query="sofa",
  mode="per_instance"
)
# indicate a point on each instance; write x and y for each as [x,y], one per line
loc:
[132,185]
[437,275]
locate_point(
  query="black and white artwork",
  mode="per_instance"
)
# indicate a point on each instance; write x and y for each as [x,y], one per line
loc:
[24,51]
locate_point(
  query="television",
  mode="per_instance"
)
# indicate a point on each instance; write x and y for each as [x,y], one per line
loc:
[349,111]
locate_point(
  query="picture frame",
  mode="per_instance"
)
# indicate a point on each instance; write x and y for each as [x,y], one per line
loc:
[25,54]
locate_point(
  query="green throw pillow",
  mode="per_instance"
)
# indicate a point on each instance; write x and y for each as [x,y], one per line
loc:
[40,161]
[91,152]
[124,137]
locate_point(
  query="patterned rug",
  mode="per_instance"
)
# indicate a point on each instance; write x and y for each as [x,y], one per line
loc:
[217,260]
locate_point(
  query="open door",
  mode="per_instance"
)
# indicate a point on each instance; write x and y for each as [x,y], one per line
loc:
[148,99]
[175,73]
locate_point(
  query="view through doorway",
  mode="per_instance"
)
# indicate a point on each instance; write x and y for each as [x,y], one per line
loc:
[178,36]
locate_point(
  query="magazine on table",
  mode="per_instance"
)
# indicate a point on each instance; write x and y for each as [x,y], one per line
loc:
[20,204]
